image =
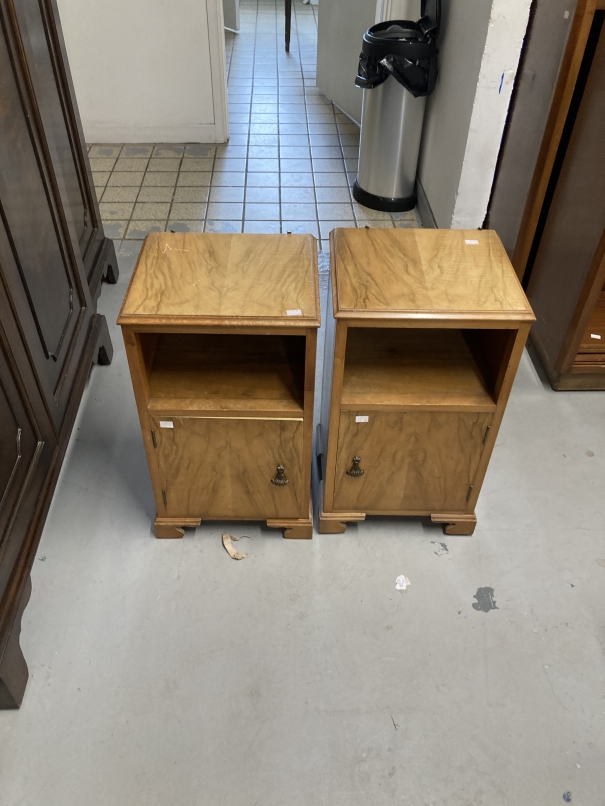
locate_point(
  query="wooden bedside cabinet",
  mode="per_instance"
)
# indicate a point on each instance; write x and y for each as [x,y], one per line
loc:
[221,335]
[428,331]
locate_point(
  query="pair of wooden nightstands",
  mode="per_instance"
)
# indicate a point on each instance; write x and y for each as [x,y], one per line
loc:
[221,335]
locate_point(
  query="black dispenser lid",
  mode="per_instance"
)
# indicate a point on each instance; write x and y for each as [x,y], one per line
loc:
[431,17]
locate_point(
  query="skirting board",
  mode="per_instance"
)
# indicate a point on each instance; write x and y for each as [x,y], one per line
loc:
[424,208]
[193,133]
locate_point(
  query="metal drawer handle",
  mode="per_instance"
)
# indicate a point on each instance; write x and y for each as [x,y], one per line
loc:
[355,471]
[280,480]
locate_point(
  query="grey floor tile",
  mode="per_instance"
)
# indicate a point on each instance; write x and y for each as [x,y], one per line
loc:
[263,165]
[351,152]
[229,164]
[263,128]
[376,223]
[148,211]
[115,210]
[225,211]
[261,212]
[189,210]
[166,164]
[194,178]
[100,178]
[328,195]
[201,150]
[297,179]
[330,180]
[136,150]
[263,152]
[292,129]
[301,227]
[160,179]
[325,227]
[229,178]
[326,152]
[262,180]
[229,151]
[262,227]
[350,139]
[134,164]
[327,165]
[168,150]
[264,139]
[261,195]
[104,151]
[137,230]
[203,164]
[114,229]
[322,128]
[239,117]
[298,195]
[185,226]
[295,165]
[334,212]
[223,194]
[366,212]
[102,163]
[121,194]
[155,194]
[294,139]
[191,194]
[295,153]
[298,211]
[223,226]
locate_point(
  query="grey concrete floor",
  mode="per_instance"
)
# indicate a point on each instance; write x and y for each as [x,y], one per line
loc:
[163,672]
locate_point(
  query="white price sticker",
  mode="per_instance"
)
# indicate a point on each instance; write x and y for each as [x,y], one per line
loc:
[296,312]
[594,336]
[166,424]
[472,243]
[362,419]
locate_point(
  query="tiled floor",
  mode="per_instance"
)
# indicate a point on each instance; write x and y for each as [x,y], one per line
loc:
[288,166]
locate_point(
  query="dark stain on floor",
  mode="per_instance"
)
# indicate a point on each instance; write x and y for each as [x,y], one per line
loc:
[485,600]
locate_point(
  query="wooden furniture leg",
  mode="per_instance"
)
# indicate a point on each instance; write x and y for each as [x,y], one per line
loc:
[103,352]
[336,523]
[288,23]
[13,668]
[169,529]
[294,529]
[456,524]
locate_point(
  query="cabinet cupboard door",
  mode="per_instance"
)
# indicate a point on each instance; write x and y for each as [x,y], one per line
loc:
[222,468]
[418,462]
[39,256]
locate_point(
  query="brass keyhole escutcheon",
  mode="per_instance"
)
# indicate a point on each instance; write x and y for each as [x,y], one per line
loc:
[280,480]
[355,471]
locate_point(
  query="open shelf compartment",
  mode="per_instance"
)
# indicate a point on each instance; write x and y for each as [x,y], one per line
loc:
[238,375]
[448,368]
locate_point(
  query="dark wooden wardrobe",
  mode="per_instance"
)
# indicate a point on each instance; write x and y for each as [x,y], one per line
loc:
[53,256]
[548,200]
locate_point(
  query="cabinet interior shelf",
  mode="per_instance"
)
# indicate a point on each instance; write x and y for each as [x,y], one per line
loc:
[189,373]
[402,368]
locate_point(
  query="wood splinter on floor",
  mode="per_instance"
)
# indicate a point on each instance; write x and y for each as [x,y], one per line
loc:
[235,555]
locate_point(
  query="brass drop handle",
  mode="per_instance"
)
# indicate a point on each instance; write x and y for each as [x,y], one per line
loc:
[355,471]
[280,480]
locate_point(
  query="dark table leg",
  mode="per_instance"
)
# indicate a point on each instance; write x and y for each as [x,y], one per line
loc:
[288,23]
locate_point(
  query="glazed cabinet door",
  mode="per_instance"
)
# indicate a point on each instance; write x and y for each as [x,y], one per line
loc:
[224,467]
[421,462]
[39,252]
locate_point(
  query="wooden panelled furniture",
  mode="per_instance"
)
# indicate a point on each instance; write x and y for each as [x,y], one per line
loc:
[428,330]
[221,334]
[53,254]
[547,201]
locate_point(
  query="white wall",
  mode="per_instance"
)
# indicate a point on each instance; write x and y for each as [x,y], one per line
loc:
[480,45]
[147,70]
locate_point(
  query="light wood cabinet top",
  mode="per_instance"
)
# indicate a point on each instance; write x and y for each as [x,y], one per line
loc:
[424,274]
[217,279]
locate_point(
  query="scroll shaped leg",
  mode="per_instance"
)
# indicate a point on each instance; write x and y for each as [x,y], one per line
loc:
[301,529]
[170,528]
[335,523]
[110,268]
[456,524]
[103,352]
[13,668]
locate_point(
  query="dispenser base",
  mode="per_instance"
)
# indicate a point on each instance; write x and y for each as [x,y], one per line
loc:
[382,202]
